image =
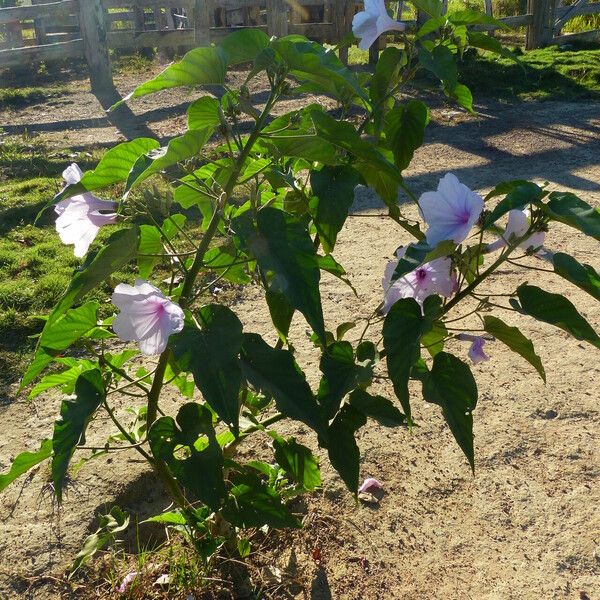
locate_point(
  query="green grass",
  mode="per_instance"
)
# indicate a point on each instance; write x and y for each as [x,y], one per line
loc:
[546,74]
[14,97]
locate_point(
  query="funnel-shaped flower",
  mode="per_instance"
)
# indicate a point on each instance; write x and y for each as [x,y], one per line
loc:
[517,226]
[80,217]
[147,316]
[435,277]
[450,212]
[370,23]
[476,353]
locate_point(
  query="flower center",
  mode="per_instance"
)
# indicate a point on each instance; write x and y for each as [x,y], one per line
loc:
[464,216]
[421,275]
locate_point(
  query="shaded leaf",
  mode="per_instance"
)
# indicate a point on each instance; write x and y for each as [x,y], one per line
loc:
[377,407]
[75,414]
[556,310]
[274,372]
[571,210]
[582,275]
[212,355]
[516,341]
[25,462]
[297,461]
[452,385]
[190,449]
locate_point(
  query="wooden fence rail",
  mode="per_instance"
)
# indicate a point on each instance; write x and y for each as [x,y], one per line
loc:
[49,30]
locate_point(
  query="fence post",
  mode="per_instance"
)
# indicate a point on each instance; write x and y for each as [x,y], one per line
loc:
[202,23]
[277,17]
[343,13]
[540,32]
[92,21]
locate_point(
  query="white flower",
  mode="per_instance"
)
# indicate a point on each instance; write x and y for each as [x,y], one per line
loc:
[80,217]
[476,353]
[450,212]
[435,277]
[370,23]
[517,226]
[147,316]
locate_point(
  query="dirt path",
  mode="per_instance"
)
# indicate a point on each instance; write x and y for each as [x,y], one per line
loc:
[526,526]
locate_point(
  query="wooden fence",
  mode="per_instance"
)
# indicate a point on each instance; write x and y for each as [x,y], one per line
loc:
[53,29]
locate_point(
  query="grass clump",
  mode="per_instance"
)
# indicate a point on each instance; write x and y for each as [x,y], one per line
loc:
[17,97]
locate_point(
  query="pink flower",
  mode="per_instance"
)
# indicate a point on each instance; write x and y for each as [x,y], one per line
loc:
[147,316]
[370,23]
[370,485]
[450,212]
[435,277]
[476,353]
[126,581]
[517,226]
[80,217]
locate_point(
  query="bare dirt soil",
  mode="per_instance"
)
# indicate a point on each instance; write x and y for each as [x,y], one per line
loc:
[526,526]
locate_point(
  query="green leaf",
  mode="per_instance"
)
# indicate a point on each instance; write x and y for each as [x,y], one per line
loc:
[253,503]
[582,275]
[571,210]
[377,407]
[179,149]
[151,243]
[244,45]
[343,135]
[339,376]
[113,167]
[403,328]
[212,355]
[405,128]
[282,246]
[297,461]
[516,341]
[204,113]
[440,61]
[75,415]
[24,462]
[311,63]
[556,310]
[518,195]
[343,450]
[274,372]
[488,43]
[227,262]
[432,7]
[58,335]
[168,518]
[386,76]
[452,385]
[64,379]
[110,524]
[433,340]
[201,66]
[281,313]
[190,449]
[462,94]
[244,547]
[334,188]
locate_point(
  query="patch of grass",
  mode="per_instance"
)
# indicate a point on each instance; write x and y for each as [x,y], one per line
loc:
[545,74]
[19,97]
[571,74]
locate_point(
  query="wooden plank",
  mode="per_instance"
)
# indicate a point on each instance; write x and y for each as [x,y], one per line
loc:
[33,54]
[516,21]
[167,38]
[277,17]
[565,13]
[94,34]
[583,36]
[202,22]
[540,31]
[50,10]
[147,3]
[314,31]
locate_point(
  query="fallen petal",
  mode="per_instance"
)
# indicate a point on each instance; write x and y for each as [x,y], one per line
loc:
[370,485]
[126,581]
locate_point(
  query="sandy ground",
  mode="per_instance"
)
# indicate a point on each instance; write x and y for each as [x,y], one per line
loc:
[526,526]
